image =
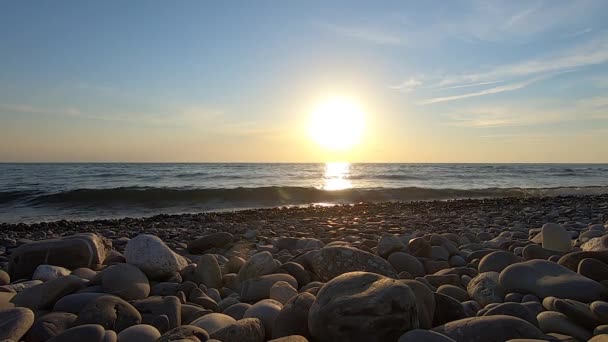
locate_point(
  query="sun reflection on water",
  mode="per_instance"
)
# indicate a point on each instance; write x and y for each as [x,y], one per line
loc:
[336,176]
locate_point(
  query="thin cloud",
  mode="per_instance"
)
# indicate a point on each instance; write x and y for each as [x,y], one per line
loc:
[366,34]
[407,85]
[495,90]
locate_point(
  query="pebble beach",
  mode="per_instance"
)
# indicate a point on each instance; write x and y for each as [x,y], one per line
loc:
[504,269]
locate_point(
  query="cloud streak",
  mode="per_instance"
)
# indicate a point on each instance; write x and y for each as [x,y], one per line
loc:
[366,34]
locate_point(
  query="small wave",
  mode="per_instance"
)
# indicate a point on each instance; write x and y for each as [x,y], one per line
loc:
[388,177]
[272,196]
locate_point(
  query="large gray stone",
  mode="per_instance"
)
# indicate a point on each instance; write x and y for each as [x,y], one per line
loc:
[363,306]
[293,318]
[15,322]
[497,261]
[80,250]
[152,307]
[126,281]
[215,240]
[45,295]
[258,288]
[87,332]
[213,322]
[185,333]
[50,325]
[208,272]
[259,264]
[555,237]
[331,262]
[153,257]
[266,311]
[497,328]
[139,333]
[402,261]
[545,278]
[111,312]
[243,330]
[486,289]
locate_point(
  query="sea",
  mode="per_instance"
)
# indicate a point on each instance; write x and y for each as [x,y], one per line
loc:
[48,192]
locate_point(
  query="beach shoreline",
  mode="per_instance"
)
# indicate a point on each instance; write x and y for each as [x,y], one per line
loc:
[396,217]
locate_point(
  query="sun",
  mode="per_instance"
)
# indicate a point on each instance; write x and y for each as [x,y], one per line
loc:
[337,124]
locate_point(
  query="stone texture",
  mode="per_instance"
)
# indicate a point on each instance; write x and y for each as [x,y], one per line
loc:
[113,313]
[293,318]
[363,306]
[544,279]
[420,335]
[139,333]
[555,322]
[266,311]
[497,261]
[331,262]
[425,302]
[125,281]
[486,289]
[80,250]
[497,328]
[555,237]
[244,330]
[257,265]
[45,295]
[15,322]
[49,272]
[389,244]
[185,333]
[152,307]
[258,288]
[402,261]
[87,332]
[208,272]
[215,240]
[213,322]
[50,325]
[153,257]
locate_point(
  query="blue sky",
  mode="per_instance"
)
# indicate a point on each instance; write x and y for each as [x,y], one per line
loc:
[440,81]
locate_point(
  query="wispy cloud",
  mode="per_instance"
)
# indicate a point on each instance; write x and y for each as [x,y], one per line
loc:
[407,85]
[495,90]
[578,33]
[367,34]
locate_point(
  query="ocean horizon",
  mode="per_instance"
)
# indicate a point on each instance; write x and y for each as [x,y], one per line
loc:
[33,192]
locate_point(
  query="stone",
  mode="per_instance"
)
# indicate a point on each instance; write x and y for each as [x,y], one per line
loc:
[419,335]
[208,272]
[125,281]
[197,296]
[571,260]
[419,247]
[190,312]
[5,279]
[544,279]
[153,257]
[515,310]
[404,262]
[185,333]
[297,244]
[439,253]
[593,269]
[152,307]
[454,291]
[389,244]
[555,237]
[87,332]
[213,322]
[599,338]
[532,252]
[49,272]
[447,309]
[425,302]
[50,325]
[139,333]
[457,261]
[113,313]
[331,262]
[266,311]
[234,264]
[297,271]
[215,240]
[555,322]
[601,330]
[79,250]
[237,311]
[257,265]
[84,273]
[282,291]
[363,306]
[258,288]
[292,338]
[497,328]
[293,318]
[596,244]
[485,289]
[600,310]
[497,261]
[45,295]
[577,312]
[75,302]
[15,322]
[243,330]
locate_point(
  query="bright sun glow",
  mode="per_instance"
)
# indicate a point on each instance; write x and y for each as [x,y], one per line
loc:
[337,124]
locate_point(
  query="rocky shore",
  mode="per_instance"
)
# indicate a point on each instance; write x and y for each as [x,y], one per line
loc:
[510,269]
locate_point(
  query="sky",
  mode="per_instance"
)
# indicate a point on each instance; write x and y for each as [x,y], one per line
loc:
[236,81]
